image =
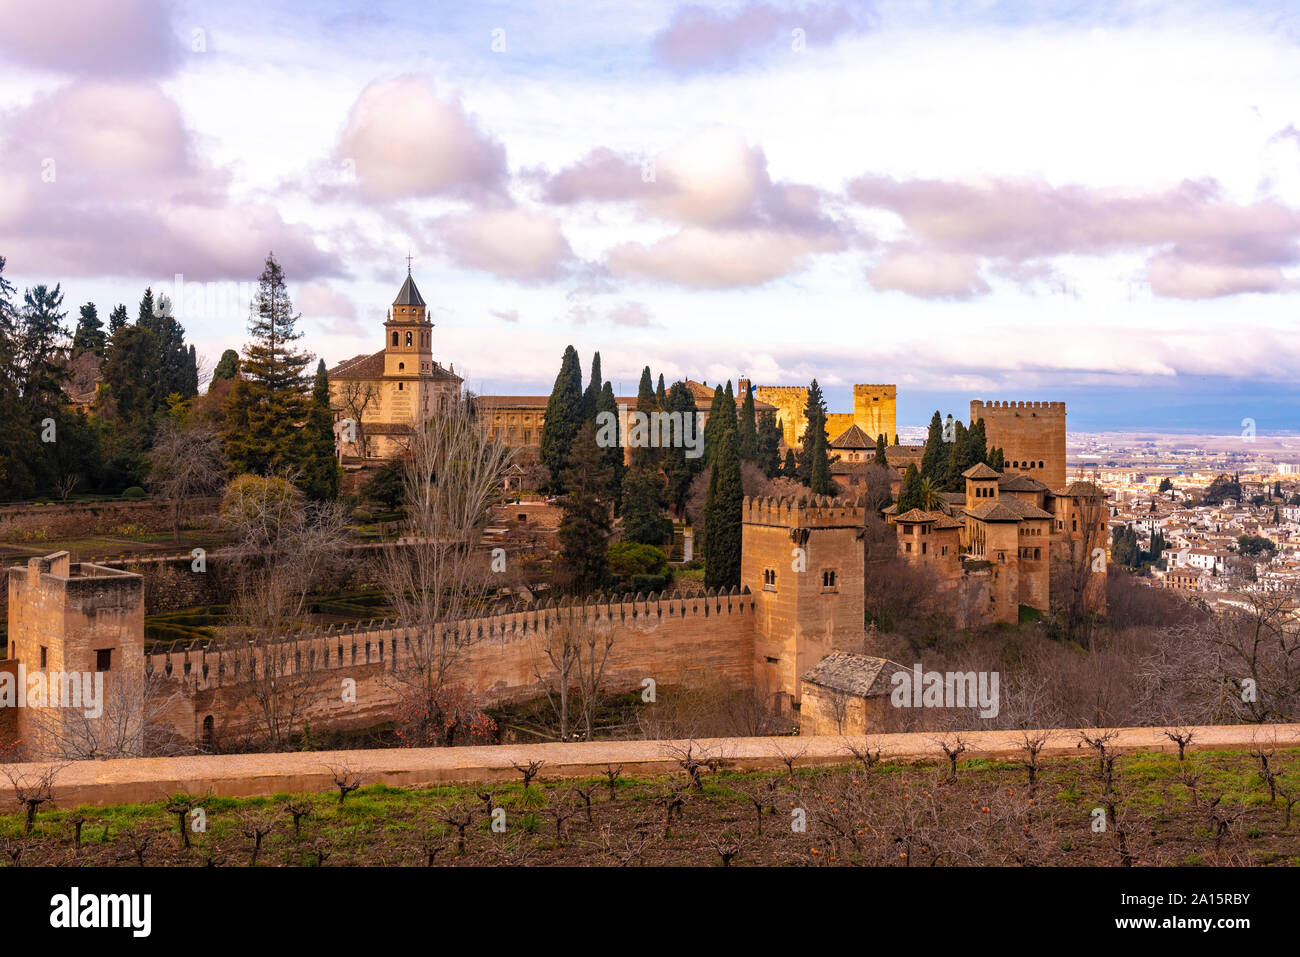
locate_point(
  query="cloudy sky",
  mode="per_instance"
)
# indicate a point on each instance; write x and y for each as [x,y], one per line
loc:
[1028,200]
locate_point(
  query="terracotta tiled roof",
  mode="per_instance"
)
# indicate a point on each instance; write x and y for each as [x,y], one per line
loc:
[1080,490]
[853,438]
[372,367]
[981,471]
[1020,483]
[1006,510]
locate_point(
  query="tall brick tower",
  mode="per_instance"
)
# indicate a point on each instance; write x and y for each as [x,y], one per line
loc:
[1030,434]
[803,560]
[408,334]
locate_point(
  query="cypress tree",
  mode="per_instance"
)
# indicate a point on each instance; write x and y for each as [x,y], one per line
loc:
[582,565]
[647,404]
[814,456]
[227,366]
[680,470]
[270,400]
[910,493]
[935,456]
[613,455]
[715,426]
[661,395]
[320,467]
[769,444]
[747,436]
[881,459]
[790,468]
[563,418]
[643,505]
[591,398]
[723,515]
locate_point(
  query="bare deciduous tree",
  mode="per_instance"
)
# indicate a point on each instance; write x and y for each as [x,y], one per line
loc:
[185,463]
[436,574]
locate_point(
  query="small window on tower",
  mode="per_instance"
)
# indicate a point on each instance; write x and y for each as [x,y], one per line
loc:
[103,659]
[399,386]
[394,338]
[401,366]
[408,338]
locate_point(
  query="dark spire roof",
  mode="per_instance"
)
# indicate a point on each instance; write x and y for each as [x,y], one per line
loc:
[409,295]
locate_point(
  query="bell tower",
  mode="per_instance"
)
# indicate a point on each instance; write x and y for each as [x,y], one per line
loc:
[408,333]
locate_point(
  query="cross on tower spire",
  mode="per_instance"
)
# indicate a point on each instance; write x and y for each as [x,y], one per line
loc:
[408,261]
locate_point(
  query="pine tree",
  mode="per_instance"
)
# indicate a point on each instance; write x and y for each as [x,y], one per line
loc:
[320,467]
[89,336]
[881,459]
[19,442]
[747,437]
[723,517]
[582,565]
[116,319]
[563,418]
[269,402]
[41,340]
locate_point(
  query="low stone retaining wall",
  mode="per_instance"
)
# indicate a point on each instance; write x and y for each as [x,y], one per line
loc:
[249,775]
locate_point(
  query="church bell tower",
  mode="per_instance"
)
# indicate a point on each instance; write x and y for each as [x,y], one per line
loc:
[408,333]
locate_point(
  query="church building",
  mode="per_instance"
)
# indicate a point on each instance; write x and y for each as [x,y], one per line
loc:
[379,400]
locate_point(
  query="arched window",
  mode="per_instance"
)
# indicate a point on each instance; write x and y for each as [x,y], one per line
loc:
[1040,465]
[401,366]
[399,386]
[408,338]
[208,733]
[394,338]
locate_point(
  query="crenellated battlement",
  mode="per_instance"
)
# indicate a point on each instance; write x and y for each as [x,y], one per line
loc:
[980,406]
[387,643]
[811,511]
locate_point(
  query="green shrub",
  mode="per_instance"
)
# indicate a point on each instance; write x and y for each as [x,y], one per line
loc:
[133,493]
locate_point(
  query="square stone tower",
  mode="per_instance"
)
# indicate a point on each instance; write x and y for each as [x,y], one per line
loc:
[803,560]
[66,622]
[1030,434]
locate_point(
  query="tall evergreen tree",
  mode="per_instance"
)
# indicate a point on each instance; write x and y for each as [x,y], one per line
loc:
[934,460]
[582,566]
[881,459]
[790,467]
[814,456]
[769,444]
[723,510]
[89,336]
[19,441]
[320,466]
[643,507]
[680,470]
[116,319]
[41,343]
[613,455]
[269,402]
[747,436]
[563,418]
[591,397]
[647,404]
[661,394]
[227,367]
[715,425]
[911,494]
